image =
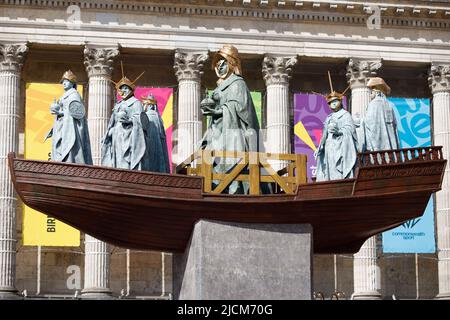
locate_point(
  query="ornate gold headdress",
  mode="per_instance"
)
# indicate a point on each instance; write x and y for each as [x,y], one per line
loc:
[231,54]
[125,80]
[333,95]
[379,84]
[149,99]
[69,75]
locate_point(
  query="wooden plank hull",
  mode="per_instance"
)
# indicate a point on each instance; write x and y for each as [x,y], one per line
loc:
[153,211]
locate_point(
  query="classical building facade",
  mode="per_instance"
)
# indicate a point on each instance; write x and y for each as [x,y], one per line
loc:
[286,47]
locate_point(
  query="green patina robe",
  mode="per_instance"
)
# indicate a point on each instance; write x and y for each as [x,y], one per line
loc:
[124,145]
[338,152]
[235,129]
[70,134]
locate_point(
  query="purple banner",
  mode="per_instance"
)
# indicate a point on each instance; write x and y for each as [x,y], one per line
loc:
[310,111]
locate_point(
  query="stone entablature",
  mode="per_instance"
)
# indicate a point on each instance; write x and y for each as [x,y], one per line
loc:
[418,14]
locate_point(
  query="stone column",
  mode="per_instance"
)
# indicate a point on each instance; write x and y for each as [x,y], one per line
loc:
[188,67]
[276,72]
[99,66]
[358,73]
[11,59]
[366,273]
[439,81]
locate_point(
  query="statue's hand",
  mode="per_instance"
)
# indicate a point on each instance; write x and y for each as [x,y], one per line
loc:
[54,108]
[218,111]
[123,117]
[333,129]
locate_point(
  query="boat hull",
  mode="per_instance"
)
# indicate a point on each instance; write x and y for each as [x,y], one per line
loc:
[153,211]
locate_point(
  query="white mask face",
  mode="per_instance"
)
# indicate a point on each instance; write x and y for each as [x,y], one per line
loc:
[335,104]
[125,91]
[222,68]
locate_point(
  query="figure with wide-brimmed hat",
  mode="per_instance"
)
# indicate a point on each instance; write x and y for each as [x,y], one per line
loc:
[158,157]
[124,144]
[380,125]
[233,124]
[336,154]
[70,133]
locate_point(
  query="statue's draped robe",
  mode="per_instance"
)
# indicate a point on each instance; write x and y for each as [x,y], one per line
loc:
[380,126]
[236,129]
[124,144]
[338,157]
[158,157]
[70,136]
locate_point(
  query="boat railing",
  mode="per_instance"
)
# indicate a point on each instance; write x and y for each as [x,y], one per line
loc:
[386,157]
[254,168]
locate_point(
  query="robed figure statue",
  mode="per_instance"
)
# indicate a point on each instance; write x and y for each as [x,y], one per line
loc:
[233,125]
[70,133]
[337,152]
[124,144]
[158,157]
[379,124]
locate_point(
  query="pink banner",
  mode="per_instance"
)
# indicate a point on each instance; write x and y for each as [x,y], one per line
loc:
[164,98]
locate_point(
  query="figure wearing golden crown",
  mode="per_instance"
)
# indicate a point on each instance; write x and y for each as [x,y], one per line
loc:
[233,124]
[124,144]
[336,154]
[379,124]
[158,157]
[70,134]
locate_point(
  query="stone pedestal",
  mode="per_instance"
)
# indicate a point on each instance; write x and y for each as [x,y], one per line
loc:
[365,267]
[234,261]
[99,66]
[440,86]
[11,60]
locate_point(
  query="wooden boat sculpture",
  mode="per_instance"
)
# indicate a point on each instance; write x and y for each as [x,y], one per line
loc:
[154,211]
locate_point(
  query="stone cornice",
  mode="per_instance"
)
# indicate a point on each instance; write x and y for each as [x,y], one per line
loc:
[189,65]
[402,15]
[12,57]
[277,70]
[439,77]
[194,39]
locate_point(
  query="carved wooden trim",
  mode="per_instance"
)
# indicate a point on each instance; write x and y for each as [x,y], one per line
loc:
[139,177]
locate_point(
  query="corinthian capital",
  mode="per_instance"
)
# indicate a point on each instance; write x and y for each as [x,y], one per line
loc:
[189,65]
[99,61]
[439,77]
[12,57]
[277,70]
[359,71]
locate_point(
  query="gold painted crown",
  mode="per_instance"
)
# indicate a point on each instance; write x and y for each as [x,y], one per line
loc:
[231,54]
[69,75]
[379,84]
[125,80]
[333,95]
[150,99]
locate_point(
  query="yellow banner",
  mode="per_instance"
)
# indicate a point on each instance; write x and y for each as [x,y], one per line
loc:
[40,229]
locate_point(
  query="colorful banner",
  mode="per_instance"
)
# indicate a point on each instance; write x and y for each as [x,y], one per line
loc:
[164,98]
[257,102]
[414,129]
[310,112]
[40,229]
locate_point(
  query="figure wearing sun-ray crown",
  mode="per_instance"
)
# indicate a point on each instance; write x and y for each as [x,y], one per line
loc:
[336,154]
[124,143]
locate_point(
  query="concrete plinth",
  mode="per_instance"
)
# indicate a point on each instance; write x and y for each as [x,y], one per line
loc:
[234,261]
